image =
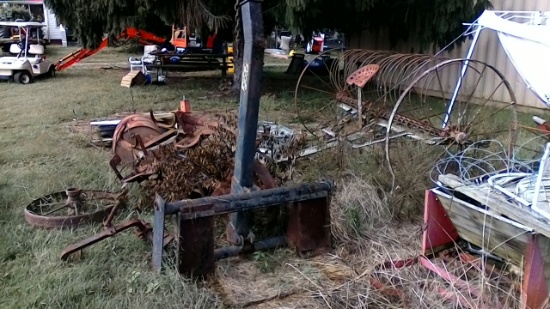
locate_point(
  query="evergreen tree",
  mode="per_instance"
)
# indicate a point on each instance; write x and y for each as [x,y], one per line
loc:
[425,22]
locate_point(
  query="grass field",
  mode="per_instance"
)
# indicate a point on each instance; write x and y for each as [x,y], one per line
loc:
[39,154]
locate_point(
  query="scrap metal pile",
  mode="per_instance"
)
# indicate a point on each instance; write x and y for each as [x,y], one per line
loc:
[177,155]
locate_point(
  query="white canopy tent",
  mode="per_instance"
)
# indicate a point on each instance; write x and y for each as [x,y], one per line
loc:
[525,37]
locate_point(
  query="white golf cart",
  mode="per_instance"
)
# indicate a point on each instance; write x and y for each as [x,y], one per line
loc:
[27,61]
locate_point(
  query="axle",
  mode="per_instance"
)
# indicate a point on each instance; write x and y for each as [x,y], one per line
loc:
[372,111]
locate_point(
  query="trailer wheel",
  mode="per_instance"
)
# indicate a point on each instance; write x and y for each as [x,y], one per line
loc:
[22,77]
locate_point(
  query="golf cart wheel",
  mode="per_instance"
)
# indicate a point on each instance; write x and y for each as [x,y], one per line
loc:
[51,71]
[22,77]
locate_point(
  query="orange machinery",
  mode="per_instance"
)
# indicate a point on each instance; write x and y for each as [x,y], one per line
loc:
[143,37]
[179,37]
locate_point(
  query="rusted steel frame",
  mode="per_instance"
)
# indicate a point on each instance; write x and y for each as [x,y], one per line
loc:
[308,227]
[195,217]
[211,206]
[141,225]
[159,215]
[249,105]
[69,221]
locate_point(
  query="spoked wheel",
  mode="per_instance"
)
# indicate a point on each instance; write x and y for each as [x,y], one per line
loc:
[71,208]
[482,119]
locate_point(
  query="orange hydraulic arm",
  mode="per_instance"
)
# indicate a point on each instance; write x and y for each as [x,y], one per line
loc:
[143,37]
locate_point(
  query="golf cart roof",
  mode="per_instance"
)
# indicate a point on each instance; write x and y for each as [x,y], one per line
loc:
[22,24]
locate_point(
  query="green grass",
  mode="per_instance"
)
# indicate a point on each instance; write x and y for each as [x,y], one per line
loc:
[39,155]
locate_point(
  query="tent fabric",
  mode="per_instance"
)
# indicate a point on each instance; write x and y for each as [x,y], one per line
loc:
[527,47]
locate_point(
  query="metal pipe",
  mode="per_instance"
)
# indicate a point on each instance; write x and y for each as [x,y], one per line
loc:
[462,74]
[251,83]
[230,251]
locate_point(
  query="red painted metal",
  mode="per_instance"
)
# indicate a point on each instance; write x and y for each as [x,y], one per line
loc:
[439,230]
[535,289]
[452,279]
[195,255]
[142,37]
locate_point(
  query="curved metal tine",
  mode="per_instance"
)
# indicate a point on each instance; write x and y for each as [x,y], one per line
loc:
[386,74]
[410,70]
[399,73]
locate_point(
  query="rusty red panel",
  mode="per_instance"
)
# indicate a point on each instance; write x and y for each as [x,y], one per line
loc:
[535,288]
[195,256]
[439,230]
[309,226]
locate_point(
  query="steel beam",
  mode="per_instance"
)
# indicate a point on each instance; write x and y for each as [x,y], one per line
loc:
[231,203]
[251,83]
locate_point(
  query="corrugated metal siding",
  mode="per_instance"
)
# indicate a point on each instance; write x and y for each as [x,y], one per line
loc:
[488,50]
[53,29]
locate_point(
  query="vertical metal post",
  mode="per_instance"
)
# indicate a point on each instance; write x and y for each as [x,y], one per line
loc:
[360,107]
[462,74]
[251,82]
[158,234]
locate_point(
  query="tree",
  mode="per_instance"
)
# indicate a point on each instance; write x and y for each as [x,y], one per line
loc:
[425,22]
[92,19]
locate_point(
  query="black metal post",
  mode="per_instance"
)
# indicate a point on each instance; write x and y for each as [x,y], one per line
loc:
[251,82]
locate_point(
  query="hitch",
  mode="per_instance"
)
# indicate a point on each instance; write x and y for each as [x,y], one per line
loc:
[308,229]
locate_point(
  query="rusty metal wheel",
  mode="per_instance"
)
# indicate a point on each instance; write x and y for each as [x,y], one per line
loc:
[483,113]
[61,210]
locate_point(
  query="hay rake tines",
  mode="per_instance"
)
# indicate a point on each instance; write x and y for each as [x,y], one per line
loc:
[394,72]
[409,93]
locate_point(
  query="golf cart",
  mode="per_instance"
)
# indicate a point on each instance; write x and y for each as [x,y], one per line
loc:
[27,60]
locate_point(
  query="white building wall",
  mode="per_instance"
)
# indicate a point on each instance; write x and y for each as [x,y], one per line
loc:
[488,50]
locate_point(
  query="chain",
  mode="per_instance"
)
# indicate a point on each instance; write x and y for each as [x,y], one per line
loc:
[237,24]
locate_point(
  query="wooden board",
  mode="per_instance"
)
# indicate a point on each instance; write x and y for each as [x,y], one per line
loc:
[133,78]
[495,234]
[485,195]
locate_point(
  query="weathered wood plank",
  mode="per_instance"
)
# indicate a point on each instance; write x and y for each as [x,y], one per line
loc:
[498,204]
[493,233]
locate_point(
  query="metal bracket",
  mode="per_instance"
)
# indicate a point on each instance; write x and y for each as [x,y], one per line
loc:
[308,231]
